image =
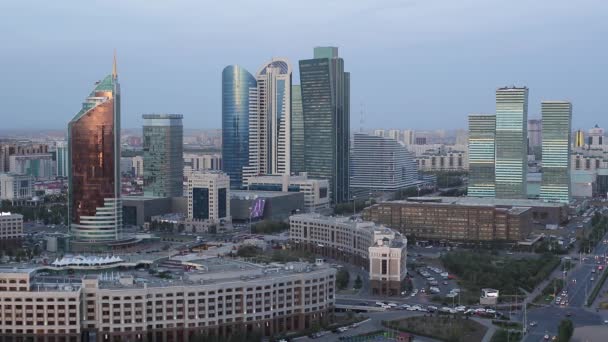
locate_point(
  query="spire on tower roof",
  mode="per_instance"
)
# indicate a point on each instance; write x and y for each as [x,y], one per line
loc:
[114,71]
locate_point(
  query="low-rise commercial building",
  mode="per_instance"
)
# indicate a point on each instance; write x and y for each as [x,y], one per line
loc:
[217,298]
[11,226]
[379,249]
[465,219]
[15,187]
[316,191]
[265,205]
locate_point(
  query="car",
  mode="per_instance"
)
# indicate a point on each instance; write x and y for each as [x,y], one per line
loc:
[533,323]
[404,306]
[445,283]
[411,308]
[431,308]
[490,311]
[592,279]
[460,308]
[568,314]
[380,303]
[392,305]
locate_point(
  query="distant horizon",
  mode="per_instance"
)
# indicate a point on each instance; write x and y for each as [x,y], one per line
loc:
[413,64]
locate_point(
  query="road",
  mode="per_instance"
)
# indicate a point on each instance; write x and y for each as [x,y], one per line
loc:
[579,286]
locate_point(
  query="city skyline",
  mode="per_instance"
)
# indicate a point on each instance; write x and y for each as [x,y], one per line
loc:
[188,73]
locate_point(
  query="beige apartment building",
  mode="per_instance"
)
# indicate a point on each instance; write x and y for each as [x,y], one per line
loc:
[11,226]
[381,250]
[221,298]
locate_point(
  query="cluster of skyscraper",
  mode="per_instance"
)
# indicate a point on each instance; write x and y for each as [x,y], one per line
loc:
[271,126]
[498,148]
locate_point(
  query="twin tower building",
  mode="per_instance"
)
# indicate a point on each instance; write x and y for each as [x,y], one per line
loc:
[498,149]
[271,126]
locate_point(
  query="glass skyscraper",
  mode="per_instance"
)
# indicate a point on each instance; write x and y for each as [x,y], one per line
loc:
[556,140]
[163,146]
[511,142]
[297,131]
[482,135]
[94,206]
[61,158]
[326,112]
[236,85]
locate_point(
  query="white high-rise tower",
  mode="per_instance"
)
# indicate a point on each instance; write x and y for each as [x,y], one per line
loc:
[270,121]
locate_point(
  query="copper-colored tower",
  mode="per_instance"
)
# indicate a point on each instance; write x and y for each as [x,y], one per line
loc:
[94,205]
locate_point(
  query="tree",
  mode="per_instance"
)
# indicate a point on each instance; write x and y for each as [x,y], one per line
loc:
[342,278]
[565,330]
[358,282]
[248,251]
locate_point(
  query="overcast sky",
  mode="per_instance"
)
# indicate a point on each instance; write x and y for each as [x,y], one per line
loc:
[414,64]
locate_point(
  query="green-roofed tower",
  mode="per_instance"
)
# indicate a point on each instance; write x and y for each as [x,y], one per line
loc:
[94,206]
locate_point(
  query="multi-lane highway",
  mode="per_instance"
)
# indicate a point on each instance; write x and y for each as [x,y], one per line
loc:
[579,286]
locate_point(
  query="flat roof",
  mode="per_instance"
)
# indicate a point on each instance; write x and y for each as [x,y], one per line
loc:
[483,201]
[252,194]
[206,271]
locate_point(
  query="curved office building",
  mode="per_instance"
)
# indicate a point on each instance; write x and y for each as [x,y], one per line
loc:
[94,205]
[236,84]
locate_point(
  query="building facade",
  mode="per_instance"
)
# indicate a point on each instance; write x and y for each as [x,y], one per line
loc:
[11,226]
[579,139]
[94,208]
[270,121]
[316,191]
[381,250]
[535,129]
[21,149]
[557,128]
[297,130]
[381,164]
[199,162]
[232,298]
[394,134]
[326,109]
[511,142]
[482,154]
[61,159]
[163,160]
[39,166]
[16,187]
[409,137]
[236,85]
[137,165]
[442,161]
[454,221]
[596,137]
[209,196]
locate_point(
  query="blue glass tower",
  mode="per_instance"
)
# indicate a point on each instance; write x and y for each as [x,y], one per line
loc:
[236,84]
